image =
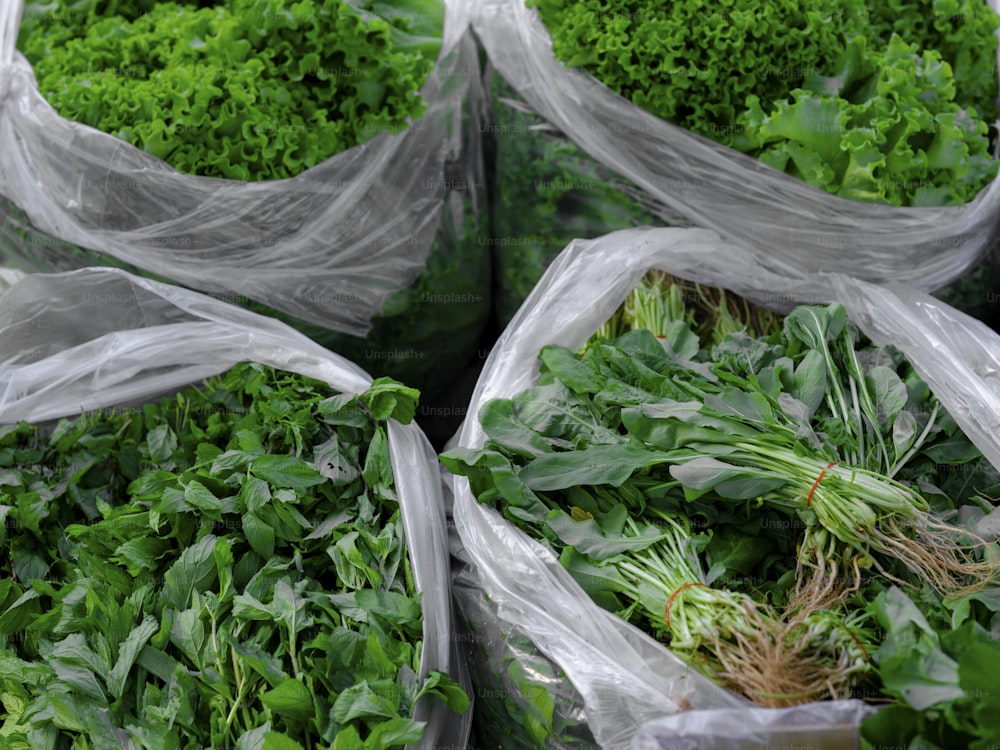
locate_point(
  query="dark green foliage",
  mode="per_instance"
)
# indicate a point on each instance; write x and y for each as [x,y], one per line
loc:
[223,568]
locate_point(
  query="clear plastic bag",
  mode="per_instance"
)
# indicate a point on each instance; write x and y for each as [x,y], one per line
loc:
[99,338]
[545,192]
[817,726]
[328,249]
[688,180]
[523,699]
[624,677]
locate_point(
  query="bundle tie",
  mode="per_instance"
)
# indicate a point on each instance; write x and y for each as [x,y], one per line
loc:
[666,612]
[809,497]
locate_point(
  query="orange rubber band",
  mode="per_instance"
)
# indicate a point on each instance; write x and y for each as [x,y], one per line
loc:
[666,612]
[861,646]
[809,497]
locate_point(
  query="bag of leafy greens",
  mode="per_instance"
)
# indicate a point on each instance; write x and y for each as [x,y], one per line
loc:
[216,532]
[317,161]
[548,610]
[857,136]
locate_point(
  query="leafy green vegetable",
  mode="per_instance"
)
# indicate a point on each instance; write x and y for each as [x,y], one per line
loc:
[243,89]
[963,31]
[881,101]
[944,680]
[739,498]
[225,568]
[693,65]
[882,127]
[667,306]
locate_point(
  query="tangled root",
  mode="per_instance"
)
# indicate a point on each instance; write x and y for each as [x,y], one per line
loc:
[776,663]
[932,552]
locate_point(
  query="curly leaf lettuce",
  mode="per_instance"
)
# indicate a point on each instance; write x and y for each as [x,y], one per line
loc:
[884,128]
[245,89]
[695,65]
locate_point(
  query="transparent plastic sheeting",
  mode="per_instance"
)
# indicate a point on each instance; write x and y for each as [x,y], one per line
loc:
[625,677]
[99,338]
[692,181]
[328,246]
[831,725]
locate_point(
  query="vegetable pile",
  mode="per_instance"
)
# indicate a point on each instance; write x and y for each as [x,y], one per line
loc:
[768,503]
[241,89]
[264,89]
[877,101]
[884,101]
[226,568]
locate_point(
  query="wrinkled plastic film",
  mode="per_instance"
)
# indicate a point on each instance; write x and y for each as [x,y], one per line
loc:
[10,22]
[955,354]
[509,673]
[415,467]
[546,192]
[99,338]
[830,725]
[789,225]
[328,246]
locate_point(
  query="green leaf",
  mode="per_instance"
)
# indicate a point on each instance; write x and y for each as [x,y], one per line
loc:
[348,738]
[253,739]
[395,607]
[199,496]
[290,699]
[194,571]
[389,399]
[286,471]
[259,535]
[395,732]
[161,442]
[188,634]
[68,713]
[331,462]
[599,543]
[729,481]
[265,664]
[595,465]
[277,741]
[290,607]
[810,380]
[752,407]
[443,686]
[128,652]
[736,551]
[141,554]
[579,376]
[256,493]
[377,471]
[360,701]
[888,392]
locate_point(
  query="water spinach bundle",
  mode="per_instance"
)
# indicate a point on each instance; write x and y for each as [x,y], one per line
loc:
[765,496]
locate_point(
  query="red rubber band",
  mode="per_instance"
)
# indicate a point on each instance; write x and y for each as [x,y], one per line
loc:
[809,497]
[861,646]
[666,612]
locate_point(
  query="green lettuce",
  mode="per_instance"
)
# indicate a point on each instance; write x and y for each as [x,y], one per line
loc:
[884,127]
[242,89]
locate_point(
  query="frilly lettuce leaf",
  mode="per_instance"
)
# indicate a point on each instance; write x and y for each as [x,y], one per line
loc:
[241,89]
[885,128]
